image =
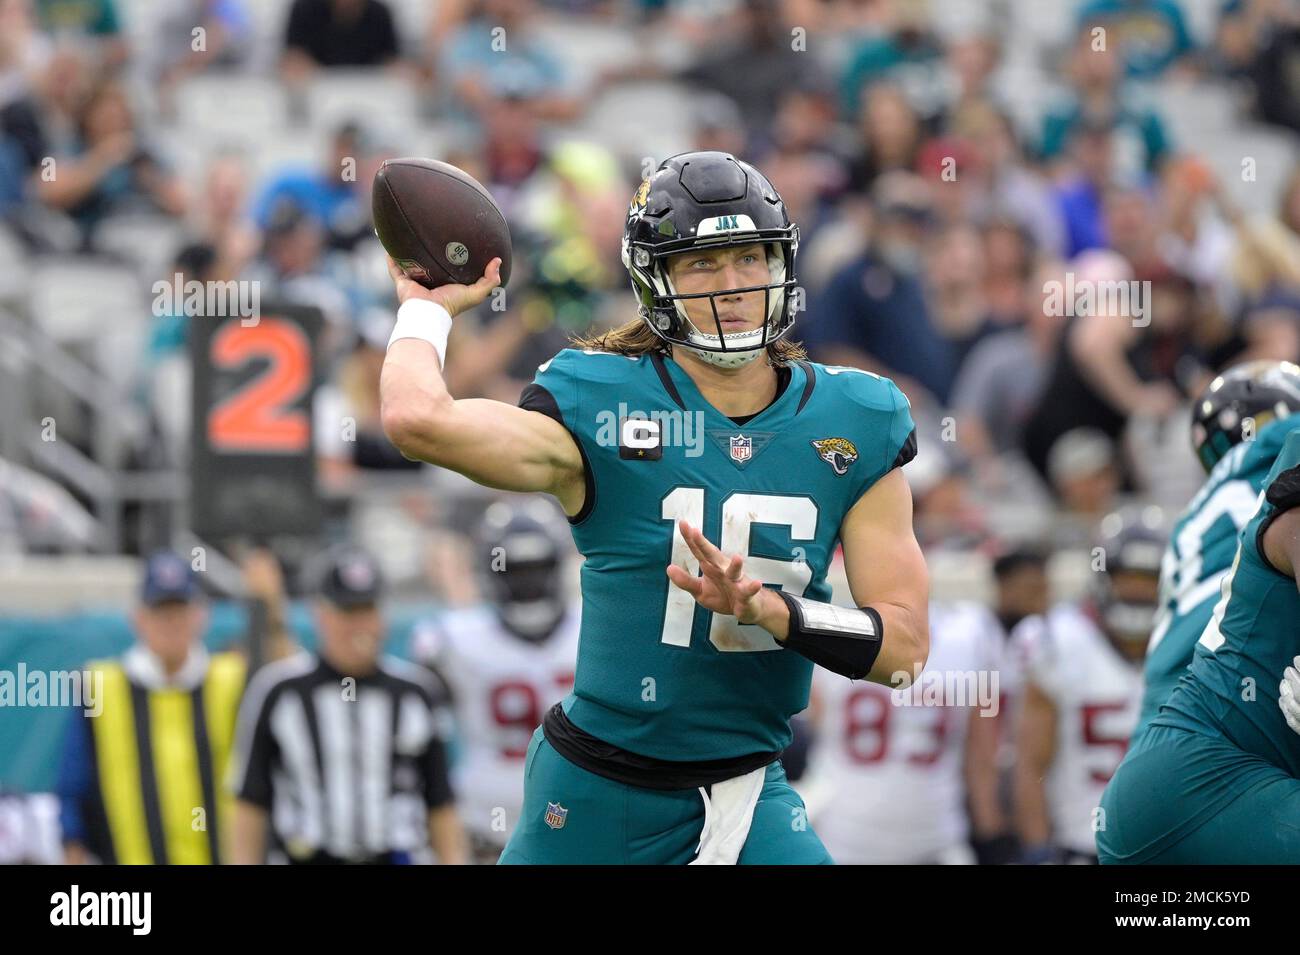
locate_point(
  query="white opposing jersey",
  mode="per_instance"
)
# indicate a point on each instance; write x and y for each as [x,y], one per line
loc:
[502,686]
[887,768]
[1097,693]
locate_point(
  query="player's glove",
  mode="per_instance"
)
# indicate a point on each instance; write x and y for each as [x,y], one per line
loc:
[1288,695]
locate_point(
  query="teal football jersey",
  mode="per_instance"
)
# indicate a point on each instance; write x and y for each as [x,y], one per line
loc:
[1200,552]
[1252,636]
[657,674]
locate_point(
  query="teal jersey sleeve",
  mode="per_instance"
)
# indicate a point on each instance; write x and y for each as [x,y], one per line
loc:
[881,421]
[1281,491]
[556,391]
[1200,553]
[1250,639]
[1287,458]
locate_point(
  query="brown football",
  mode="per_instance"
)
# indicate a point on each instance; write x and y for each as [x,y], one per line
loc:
[438,222]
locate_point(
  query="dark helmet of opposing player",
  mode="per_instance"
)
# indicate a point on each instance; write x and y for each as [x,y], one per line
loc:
[1238,403]
[1131,541]
[709,200]
[521,550]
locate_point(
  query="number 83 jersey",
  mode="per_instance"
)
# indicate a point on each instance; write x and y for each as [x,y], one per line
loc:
[658,675]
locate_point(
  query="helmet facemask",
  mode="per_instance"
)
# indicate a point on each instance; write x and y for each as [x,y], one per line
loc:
[663,309]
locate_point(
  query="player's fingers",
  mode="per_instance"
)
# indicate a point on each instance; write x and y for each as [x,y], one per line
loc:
[680,578]
[694,540]
[714,573]
[688,536]
[735,567]
[707,550]
[490,278]
[393,270]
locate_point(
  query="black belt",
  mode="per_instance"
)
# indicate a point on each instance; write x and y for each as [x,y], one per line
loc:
[632,769]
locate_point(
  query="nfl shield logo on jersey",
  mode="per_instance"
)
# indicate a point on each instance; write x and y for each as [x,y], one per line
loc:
[742,448]
[555,815]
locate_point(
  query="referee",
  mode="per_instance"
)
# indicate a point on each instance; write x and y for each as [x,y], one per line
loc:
[340,757]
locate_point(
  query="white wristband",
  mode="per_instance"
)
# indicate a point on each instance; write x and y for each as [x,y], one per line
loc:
[425,320]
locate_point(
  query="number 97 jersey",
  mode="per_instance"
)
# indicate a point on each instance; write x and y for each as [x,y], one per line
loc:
[657,674]
[501,687]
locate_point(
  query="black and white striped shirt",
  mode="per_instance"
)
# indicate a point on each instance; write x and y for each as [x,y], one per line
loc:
[346,767]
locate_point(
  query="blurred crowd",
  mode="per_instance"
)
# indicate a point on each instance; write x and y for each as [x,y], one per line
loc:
[959,172]
[940,218]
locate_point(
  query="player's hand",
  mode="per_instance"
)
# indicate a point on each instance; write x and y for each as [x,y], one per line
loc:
[1289,695]
[454,298]
[723,588]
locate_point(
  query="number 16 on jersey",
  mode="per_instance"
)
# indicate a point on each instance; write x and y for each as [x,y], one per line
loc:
[740,511]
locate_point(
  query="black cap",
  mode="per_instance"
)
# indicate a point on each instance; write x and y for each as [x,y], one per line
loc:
[168,578]
[351,578]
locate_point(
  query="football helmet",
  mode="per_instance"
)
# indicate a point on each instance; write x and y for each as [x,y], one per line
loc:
[521,558]
[709,200]
[1261,391]
[1132,541]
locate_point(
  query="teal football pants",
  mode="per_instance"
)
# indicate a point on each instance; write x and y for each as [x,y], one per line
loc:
[1187,798]
[610,823]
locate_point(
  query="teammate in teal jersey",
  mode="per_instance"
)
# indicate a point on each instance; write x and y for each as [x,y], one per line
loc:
[1214,778]
[1240,422]
[699,456]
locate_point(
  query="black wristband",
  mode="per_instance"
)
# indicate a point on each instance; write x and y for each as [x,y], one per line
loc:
[843,639]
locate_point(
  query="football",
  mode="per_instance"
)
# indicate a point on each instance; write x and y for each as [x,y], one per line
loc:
[439,224]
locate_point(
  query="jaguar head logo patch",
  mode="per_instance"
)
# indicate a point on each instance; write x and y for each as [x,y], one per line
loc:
[637,206]
[839,453]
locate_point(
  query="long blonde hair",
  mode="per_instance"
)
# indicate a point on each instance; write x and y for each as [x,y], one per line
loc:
[636,338]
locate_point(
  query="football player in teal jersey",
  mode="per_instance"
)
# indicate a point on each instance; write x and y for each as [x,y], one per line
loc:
[1239,423]
[708,471]
[1214,779]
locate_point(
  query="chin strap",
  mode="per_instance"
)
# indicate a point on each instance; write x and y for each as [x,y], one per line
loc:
[734,359]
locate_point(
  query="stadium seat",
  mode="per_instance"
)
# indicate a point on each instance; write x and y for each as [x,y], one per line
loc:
[147,243]
[13,268]
[411,20]
[269,19]
[588,46]
[647,119]
[75,300]
[242,107]
[272,154]
[1274,153]
[383,100]
[1196,113]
